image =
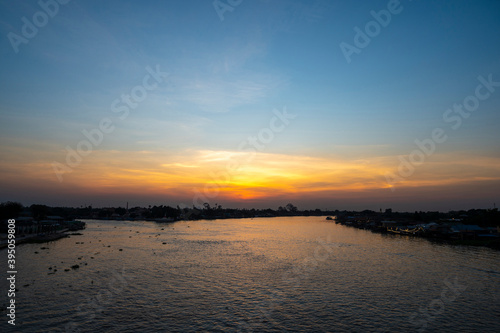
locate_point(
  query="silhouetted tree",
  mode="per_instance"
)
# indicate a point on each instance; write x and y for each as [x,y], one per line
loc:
[10,210]
[120,211]
[291,208]
[103,213]
[171,212]
[39,212]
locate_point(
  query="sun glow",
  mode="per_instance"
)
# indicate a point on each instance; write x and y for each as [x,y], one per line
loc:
[234,176]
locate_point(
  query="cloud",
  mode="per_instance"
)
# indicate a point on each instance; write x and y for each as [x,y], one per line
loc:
[217,95]
[237,175]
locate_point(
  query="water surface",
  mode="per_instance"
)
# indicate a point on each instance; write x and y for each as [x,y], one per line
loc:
[293,274]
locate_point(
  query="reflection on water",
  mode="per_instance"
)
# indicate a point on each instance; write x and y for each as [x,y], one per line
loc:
[269,274]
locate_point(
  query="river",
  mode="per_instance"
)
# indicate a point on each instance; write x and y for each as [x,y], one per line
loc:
[286,274]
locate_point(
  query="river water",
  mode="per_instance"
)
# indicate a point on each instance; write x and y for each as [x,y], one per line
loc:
[293,274]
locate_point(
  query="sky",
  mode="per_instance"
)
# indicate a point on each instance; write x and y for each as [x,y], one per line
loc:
[251,104]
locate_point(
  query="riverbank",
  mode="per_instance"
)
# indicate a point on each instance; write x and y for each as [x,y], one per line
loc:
[36,238]
[450,232]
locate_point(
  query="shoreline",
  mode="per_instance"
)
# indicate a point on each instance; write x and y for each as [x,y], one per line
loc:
[29,239]
[440,238]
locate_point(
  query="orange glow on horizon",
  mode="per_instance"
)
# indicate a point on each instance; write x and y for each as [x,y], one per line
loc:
[239,176]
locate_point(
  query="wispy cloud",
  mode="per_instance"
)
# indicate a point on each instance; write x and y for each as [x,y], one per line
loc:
[222,96]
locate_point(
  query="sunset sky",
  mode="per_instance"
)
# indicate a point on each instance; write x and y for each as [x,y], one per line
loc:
[325,104]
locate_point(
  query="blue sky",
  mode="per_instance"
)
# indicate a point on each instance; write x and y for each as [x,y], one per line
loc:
[226,78]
